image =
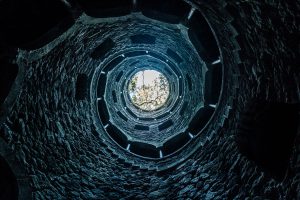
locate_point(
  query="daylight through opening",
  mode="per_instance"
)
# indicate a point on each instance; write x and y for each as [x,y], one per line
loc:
[148,90]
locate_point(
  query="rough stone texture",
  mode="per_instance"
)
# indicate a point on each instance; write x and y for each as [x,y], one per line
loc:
[53,137]
[167,36]
[269,43]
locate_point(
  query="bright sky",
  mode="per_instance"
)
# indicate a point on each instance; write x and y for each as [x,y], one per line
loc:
[149,77]
[154,95]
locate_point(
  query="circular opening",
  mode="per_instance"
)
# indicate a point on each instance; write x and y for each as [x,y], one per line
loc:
[149,90]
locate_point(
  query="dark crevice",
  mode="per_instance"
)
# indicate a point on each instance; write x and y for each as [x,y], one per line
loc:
[213,83]
[266,134]
[141,127]
[119,76]
[189,81]
[81,87]
[143,39]
[102,109]
[170,11]
[101,50]
[106,8]
[174,55]
[175,143]
[165,125]
[200,119]
[114,96]
[122,116]
[8,74]
[184,106]
[117,135]
[202,38]
[101,86]
[145,150]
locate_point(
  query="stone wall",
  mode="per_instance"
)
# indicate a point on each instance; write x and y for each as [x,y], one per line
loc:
[54,140]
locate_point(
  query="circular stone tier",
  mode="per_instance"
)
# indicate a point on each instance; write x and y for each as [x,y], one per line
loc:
[152,101]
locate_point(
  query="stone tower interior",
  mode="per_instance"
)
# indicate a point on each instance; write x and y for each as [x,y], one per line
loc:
[149,99]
